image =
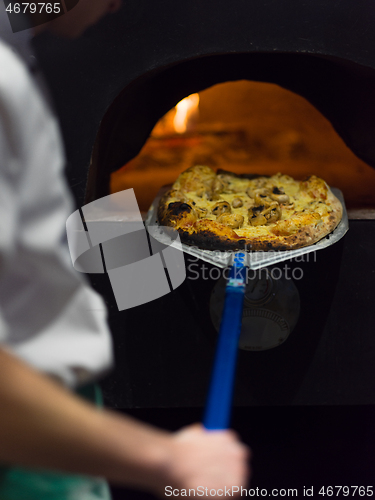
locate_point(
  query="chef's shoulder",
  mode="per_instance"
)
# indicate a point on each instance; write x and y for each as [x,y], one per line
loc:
[22,108]
[16,83]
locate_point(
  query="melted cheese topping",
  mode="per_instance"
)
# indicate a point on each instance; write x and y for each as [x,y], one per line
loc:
[308,198]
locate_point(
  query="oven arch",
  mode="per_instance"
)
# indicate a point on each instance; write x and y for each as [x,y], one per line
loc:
[337,88]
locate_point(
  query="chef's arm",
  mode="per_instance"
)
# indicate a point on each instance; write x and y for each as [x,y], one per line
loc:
[44,425]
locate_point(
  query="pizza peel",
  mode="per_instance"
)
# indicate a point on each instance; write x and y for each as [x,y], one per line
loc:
[219,401]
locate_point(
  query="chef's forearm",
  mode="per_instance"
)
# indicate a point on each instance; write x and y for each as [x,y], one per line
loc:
[44,425]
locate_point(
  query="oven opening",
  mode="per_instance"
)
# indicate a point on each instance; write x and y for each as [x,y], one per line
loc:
[247,127]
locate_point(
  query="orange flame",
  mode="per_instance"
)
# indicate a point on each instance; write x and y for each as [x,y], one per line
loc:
[185,109]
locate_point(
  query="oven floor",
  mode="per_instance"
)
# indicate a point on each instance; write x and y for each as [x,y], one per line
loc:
[293,447]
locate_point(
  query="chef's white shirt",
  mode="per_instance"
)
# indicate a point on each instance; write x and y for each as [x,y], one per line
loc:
[49,317]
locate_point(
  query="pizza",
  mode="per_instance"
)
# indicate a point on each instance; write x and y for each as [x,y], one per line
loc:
[226,211]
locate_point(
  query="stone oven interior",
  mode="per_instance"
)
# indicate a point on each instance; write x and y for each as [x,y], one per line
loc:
[258,113]
[247,127]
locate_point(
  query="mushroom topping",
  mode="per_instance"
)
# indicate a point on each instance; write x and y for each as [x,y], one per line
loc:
[202,212]
[217,186]
[257,220]
[278,194]
[255,216]
[256,210]
[272,213]
[260,196]
[234,221]
[250,193]
[237,203]
[264,214]
[289,207]
[221,207]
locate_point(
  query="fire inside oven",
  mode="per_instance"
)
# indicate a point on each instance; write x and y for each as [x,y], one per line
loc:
[246,127]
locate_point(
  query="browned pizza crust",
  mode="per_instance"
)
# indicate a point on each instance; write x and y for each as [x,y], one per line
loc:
[293,229]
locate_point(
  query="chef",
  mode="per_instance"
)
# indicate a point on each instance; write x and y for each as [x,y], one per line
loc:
[54,339]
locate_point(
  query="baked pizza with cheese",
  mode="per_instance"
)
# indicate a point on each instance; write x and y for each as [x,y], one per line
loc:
[226,211]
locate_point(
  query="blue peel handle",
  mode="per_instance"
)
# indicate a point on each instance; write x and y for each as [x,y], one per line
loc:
[219,401]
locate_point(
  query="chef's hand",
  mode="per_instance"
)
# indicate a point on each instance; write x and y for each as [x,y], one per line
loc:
[207,459]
